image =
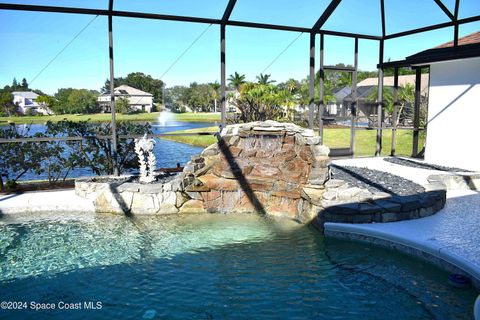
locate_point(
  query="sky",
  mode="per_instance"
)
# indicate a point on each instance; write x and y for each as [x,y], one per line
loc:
[30,40]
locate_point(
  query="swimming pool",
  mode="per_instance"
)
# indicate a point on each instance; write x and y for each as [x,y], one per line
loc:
[212,267]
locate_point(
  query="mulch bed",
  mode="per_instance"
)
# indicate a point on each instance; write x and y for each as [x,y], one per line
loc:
[422,165]
[376,181]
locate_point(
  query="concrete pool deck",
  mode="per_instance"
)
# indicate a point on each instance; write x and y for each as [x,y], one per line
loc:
[50,201]
[450,238]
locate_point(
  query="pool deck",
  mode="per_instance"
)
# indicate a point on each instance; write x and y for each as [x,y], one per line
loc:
[450,238]
[51,201]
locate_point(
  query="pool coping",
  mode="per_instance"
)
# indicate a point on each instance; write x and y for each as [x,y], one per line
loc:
[438,255]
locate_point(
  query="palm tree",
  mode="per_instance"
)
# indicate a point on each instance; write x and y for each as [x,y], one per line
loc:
[215,86]
[236,80]
[264,79]
[292,85]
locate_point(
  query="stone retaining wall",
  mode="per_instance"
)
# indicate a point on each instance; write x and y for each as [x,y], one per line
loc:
[344,204]
[120,195]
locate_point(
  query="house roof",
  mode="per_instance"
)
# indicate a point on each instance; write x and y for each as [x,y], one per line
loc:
[469,39]
[369,85]
[362,92]
[402,81]
[26,94]
[128,91]
[468,47]
[341,93]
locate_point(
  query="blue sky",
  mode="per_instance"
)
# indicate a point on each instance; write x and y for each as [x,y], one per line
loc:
[31,40]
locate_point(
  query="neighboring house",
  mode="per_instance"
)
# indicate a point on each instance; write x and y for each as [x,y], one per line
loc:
[26,102]
[138,99]
[365,88]
[338,108]
[453,102]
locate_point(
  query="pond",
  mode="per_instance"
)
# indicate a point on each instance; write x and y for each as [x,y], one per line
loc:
[212,266]
[168,153]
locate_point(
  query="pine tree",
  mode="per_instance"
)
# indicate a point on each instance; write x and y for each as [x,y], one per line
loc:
[24,84]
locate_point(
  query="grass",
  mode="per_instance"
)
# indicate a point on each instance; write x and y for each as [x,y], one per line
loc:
[197,117]
[199,141]
[365,140]
[106,117]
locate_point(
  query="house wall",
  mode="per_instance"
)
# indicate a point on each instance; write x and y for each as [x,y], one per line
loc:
[20,103]
[135,102]
[453,127]
[138,101]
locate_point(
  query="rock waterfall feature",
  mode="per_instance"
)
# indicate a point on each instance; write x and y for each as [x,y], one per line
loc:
[266,167]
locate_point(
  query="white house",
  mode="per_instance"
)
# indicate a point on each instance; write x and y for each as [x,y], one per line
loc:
[137,99]
[453,103]
[25,101]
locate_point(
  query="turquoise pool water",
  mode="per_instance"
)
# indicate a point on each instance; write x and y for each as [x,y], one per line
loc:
[212,267]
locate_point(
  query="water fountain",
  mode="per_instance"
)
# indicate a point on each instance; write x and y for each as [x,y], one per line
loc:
[166,119]
[146,158]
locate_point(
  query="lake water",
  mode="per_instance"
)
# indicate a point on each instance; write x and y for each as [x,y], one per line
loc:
[168,153]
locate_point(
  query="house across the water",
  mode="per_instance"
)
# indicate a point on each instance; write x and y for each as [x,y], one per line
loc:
[138,100]
[26,102]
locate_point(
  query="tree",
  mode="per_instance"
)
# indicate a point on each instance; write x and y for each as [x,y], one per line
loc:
[260,102]
[24,84]
[236,80]
[14,84]
[17,158]
[69,100]
[61,97]
[82,101]
[406,98]
[265,79]
[216,88]
[177,98]
[292,86]
[122,105]
[201,97]
[96,153]
[46,102]
[139,81]
[7,107]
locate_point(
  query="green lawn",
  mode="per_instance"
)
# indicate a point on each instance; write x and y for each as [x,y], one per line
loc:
[365,140]
[199,141]
[197,117]
[105,117]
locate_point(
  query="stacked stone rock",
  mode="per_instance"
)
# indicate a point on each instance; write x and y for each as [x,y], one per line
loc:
[270,167]
[349,204]
[118,195]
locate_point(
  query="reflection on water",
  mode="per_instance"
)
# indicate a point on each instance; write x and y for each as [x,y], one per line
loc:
[215,267]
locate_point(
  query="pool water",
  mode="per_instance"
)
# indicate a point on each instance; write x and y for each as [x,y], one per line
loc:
[213,267]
